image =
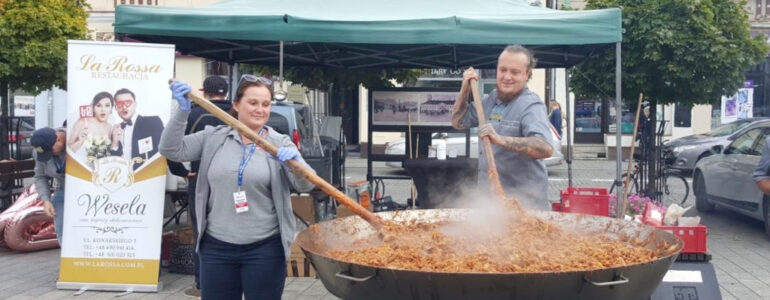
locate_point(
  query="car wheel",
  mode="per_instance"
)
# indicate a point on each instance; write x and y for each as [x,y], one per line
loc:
[701,198]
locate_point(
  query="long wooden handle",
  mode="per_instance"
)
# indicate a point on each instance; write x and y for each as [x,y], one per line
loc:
[295,165]
[494,177]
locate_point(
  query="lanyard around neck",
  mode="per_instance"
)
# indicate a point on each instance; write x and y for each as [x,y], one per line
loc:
[245,160]
[244,163]
[59,165]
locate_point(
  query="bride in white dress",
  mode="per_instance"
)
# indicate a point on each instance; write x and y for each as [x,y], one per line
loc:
[89,133]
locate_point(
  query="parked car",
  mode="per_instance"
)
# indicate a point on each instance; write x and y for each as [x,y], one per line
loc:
[18,138]
[325,156]
[295,120]
[725,178]
[455,142]
[687,151]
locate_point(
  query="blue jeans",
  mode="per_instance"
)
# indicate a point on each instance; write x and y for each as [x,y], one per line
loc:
[58,206]
[231,271]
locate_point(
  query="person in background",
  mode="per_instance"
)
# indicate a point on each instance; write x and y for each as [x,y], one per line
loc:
[50,156]
[762,173]
[517,127]
[248,226]
[645,131]
[555,116]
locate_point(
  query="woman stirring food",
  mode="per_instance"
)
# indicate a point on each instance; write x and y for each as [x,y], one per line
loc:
[248,226]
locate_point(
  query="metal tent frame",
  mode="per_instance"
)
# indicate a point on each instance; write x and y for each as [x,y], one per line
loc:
[363,56]
[382,39]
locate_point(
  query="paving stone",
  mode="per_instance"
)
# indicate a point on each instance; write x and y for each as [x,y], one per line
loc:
[54,294]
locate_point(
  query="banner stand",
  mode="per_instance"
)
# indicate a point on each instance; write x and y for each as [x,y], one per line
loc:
[142,288]
[118,103]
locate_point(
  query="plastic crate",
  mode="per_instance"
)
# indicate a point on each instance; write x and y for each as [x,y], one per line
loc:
[591,201]
[167,241]
[694,238]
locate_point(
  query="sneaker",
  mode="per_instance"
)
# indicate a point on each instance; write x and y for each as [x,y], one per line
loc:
[193,292]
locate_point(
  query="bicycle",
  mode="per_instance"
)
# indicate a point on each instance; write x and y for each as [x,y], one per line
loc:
[674,187]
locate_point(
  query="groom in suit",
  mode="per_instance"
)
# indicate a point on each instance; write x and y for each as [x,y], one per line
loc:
[136,136]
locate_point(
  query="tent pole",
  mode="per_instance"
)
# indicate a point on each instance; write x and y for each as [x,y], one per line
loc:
[231,64]
[569,127]
[618,133]
[280,93]
[280,65]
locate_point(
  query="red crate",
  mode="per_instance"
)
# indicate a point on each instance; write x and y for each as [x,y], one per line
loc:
[694,238]
[166,243]
[591,201]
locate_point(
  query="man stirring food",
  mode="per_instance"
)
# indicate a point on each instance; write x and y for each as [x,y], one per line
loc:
[517,127]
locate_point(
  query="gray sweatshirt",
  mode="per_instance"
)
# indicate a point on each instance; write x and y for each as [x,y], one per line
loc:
[260,220]
[45,171]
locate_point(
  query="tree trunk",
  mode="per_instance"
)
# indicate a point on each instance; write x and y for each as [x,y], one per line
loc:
[5,103]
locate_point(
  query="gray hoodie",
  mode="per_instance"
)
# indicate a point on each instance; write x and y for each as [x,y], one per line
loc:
[45,171]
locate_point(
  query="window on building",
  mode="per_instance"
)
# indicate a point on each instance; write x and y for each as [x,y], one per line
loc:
[214,67]
[136,2]
[627,118]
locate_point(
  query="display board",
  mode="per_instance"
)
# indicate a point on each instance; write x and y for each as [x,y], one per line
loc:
[118,101]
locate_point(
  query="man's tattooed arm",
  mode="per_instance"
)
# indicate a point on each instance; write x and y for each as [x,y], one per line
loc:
[533,146]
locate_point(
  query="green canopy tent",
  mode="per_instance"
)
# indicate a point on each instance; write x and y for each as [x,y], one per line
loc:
[354,34]
[360,34]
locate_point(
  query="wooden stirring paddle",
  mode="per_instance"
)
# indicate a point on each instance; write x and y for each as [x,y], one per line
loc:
[494,177]
[295,165]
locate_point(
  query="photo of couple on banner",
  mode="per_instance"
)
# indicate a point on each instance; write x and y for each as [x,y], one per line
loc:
[97,134]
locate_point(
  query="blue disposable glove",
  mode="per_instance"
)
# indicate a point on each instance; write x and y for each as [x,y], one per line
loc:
[179,92]
[287,153]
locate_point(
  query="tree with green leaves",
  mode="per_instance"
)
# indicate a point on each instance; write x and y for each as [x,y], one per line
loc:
[33,46]
[33,41]
[673,51]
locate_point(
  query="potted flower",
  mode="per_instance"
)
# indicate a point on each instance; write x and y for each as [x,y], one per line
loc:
[636,204]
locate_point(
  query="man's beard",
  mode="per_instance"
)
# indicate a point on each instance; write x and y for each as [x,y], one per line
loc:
[505,96]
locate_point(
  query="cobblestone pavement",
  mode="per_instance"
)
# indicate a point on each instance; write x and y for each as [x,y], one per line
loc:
[741,252]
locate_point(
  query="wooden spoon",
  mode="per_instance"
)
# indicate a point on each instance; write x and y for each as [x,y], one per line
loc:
[295,165]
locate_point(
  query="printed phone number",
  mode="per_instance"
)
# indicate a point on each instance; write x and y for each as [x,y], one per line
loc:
[109,254]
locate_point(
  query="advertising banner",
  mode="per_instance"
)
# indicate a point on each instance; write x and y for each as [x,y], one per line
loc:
[23,106]
[117,105]
[739,106]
